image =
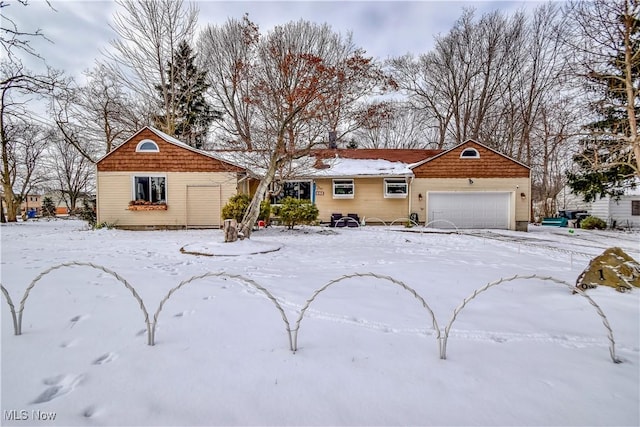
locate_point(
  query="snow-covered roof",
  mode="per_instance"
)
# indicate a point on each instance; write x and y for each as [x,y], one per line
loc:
[340,167]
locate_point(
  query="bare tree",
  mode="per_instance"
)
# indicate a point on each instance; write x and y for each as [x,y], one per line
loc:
[394,124]
[71,173]
[607,46]
[20,139]
[97,117]
[229,53]
[149,34]
[282,90]
[13,38]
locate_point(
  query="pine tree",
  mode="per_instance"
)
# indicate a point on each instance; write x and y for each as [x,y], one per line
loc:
[48,207]
[193,114]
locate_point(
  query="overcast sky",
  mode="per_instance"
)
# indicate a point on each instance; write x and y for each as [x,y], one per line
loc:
[78,30]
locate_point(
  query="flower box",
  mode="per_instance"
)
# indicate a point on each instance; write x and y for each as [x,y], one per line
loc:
[147,207]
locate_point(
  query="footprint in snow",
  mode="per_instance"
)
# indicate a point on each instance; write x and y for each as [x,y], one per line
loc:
[91,411]
[58,386]
[105,358]
[75,319]
[184,313]
[67,344]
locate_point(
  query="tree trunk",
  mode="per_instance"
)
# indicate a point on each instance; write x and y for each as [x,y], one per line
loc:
[11,203]
[253,211]
[230,230]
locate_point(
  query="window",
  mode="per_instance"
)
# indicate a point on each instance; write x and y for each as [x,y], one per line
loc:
[470,153]
[296,189]
[147,146]
[343,189]
[150,189]
[395,188]
[635,207]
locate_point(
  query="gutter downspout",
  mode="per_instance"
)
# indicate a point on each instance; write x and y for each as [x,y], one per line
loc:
[410,195]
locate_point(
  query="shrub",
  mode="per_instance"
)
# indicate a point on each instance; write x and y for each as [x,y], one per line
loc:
[238,205]
[88,212]
[592,222]
[295,211]
[265,210]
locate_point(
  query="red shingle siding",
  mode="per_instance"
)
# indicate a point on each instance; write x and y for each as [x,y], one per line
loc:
[171,158]
[489,165]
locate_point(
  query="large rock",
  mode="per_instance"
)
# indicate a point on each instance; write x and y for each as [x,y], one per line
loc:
[613,268]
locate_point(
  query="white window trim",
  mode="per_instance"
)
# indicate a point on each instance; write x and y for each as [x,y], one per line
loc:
[149,175]
[146,141]
[344,196]
[476,156]
[388,195]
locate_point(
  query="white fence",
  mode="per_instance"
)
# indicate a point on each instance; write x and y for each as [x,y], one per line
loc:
[292,334]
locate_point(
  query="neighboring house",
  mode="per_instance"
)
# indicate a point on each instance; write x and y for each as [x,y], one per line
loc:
[621,213]
[174,185]
[567,200]
[156,181]
[32,202]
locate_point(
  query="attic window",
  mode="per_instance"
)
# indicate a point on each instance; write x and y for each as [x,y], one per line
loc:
[147,146]
[470,153]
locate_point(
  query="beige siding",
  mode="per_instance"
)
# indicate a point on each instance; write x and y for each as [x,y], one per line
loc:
[368,201]
[204,206]
[115,192]
[515,186]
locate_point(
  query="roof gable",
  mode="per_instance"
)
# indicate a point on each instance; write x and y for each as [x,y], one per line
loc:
[489,164]
[173,156]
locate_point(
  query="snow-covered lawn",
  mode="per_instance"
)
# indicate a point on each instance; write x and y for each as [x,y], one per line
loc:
[526,352]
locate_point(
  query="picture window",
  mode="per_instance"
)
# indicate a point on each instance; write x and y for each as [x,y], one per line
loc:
[151,189]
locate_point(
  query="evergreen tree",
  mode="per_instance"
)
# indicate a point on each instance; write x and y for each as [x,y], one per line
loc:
[187,87]
[606,164]
[48,207]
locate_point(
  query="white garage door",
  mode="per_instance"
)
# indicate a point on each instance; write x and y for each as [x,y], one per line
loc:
[469,210]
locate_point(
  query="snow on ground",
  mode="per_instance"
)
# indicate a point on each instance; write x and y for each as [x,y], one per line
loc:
[526,352]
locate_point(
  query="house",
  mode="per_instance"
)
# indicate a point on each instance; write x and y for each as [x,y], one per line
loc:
[155,181]
[468,186]
[473,186]
[618,213]
[374,184]
[31,203]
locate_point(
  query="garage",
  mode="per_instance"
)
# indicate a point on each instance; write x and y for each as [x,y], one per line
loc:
[469,209]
